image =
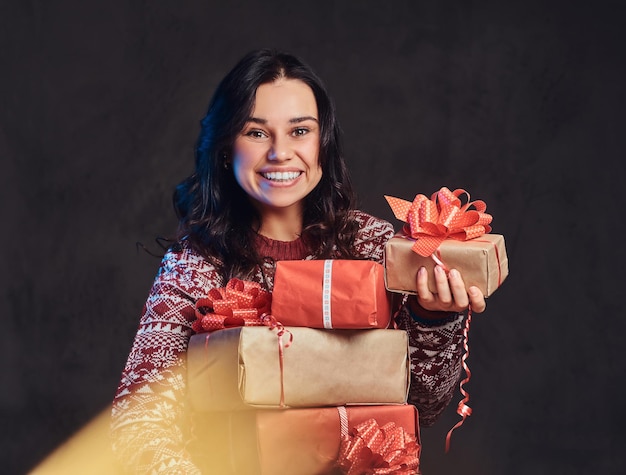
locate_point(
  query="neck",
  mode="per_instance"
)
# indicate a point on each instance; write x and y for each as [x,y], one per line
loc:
[283,224]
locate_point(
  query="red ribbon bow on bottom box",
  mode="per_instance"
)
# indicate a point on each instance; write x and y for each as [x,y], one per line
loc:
[370,449]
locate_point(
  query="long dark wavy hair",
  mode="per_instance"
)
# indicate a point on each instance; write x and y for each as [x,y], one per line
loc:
[216,215]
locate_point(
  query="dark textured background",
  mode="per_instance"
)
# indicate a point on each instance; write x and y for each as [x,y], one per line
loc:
[520,102]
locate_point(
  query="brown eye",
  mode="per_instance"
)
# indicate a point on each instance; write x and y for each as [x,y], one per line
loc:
[256,134]
[300,131]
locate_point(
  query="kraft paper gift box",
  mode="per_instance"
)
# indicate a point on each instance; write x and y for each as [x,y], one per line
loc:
[444,230]
[291,441]
[481,261]
[240,368]
[331,294]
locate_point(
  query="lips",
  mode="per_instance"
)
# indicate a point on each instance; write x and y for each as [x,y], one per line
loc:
[281,176]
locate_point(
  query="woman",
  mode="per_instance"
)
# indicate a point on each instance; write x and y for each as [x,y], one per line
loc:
[270,184]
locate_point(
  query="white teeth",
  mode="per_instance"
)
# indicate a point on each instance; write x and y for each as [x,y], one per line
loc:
[281,176]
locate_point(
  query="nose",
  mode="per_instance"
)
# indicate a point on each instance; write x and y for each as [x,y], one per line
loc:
[280,151]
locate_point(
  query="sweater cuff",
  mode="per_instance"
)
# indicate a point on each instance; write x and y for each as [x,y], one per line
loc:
[431,322]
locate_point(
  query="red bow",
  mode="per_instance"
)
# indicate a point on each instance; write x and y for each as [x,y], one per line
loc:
[240,303]
[443,216]
[371,449]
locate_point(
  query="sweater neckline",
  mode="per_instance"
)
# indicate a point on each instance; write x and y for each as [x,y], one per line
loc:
[280,250]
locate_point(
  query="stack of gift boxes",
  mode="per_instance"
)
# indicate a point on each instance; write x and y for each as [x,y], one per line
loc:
[321,387]
[317,383]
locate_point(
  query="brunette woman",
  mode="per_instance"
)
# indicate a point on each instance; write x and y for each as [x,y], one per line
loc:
[269,184]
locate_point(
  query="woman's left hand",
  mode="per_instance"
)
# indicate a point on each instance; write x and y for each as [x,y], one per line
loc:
[451,295]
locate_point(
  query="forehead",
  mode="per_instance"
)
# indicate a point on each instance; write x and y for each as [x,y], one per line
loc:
[284,98]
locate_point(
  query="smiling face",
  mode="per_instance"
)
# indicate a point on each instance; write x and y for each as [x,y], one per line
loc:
[275,157]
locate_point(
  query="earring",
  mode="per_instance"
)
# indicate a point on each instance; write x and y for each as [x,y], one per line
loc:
[225,163]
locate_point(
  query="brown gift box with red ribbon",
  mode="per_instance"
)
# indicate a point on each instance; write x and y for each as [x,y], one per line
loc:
[244,367]
[331,294]
[309,441]
[482,262]
[442,230]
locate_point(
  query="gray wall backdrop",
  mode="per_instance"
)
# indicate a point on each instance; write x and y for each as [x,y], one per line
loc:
[519,102]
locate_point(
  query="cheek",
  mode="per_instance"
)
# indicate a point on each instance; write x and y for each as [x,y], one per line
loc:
[240,168]
[243,158]
[313,154]
[316,173]
[243,173]
[315,167]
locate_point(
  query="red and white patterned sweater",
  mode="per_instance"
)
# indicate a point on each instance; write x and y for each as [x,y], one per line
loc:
[148,415]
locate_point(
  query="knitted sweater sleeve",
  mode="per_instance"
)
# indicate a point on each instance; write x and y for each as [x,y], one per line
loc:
[435,350]
[148,414]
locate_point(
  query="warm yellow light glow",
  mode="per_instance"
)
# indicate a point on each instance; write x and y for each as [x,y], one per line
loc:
[86,452]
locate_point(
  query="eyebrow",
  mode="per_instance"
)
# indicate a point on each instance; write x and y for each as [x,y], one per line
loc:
[295,120]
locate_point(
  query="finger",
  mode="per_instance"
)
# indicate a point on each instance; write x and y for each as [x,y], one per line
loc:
[477,300]
[457,287]
[443,287]
[424,295]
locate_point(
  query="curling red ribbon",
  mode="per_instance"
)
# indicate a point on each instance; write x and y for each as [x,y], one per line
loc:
[270,321]
[239,303]
[371,449]
[463,409]
[431,221]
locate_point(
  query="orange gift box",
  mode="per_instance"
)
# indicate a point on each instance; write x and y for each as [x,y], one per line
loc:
[304,441]
[241,368]
[338,293]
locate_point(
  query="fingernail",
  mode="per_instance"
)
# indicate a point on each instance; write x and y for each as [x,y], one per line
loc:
[473,291]
[421,270]
[455,273]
